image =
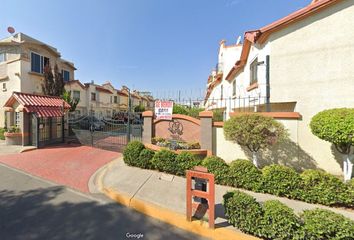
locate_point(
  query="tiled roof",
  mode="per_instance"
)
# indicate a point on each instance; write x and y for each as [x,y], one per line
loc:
[43,106]
[101,89]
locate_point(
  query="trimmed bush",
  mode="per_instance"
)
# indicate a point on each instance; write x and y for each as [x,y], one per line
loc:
[165,161]
[218,167]
[279,221]
[131,153]
[243,212]
[281,181]
[324,224]
[186,161]
[2,131]
[243,174]
[349,194]
[145,159]
[322,187]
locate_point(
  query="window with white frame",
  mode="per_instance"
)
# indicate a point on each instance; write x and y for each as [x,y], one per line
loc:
[253,71]
[17,119]
[234,88]
[115,99]
[38,62]
[76,95]
[2,57]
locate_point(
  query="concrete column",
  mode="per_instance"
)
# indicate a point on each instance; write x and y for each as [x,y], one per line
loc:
[148,117]
[10,119]
[25,128]
[206,131]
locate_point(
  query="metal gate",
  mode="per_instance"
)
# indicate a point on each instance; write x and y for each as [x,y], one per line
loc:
[111,133]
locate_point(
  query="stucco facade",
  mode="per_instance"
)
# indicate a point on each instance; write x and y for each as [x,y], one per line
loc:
[16,73]
[310,55]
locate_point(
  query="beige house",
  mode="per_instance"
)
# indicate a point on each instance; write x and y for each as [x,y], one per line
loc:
[295,68]
[22,60]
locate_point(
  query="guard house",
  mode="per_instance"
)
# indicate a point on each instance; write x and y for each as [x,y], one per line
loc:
[35,120]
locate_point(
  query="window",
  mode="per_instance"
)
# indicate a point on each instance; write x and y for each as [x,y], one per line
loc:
[17,119]
[253,71]
[2,57]
[115,99]
[234,88]
[76,95]
[66,75]
[93,96]
[222,92]
[38,62]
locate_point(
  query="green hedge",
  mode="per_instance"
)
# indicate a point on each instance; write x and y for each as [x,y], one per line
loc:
[132,152]
[274,220]
[165,161]
[322,187]
[2,131]
[186,161]
[281,181]
[243,174]
[219,168]
[324,224]
[145,159]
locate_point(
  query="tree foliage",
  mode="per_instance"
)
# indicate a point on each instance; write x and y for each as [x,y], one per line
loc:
[53,84]
[254,131]
[335,126]
[73,102]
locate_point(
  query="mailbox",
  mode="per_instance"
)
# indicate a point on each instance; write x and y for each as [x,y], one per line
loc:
[201,193]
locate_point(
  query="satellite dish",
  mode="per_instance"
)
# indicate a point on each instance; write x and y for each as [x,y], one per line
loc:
[11,30]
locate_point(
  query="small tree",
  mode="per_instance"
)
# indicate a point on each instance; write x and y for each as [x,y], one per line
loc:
[53,83]
[254,131]
[73,102]
[58,82]
[337,126]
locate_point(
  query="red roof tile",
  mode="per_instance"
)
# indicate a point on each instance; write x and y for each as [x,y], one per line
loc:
[44,106]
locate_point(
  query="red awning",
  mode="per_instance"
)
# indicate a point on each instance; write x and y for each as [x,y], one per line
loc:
[45,111]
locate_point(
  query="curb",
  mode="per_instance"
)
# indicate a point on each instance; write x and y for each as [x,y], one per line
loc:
[175,219]
[28,150]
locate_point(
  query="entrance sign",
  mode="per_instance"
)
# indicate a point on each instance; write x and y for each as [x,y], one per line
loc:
[163,110]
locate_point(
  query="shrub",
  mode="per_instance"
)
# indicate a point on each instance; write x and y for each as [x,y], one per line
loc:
[193,145]
[321,187]
[218,167]
[244,174]
[243,212]
[145,159]
[2,131]
[254,131]
[131,153]
[279,221]
[349,194]
[165,161]
[324,224]
[186,161]
[281,181]
[179,109]
[156,140]
[194,112]
[218,115]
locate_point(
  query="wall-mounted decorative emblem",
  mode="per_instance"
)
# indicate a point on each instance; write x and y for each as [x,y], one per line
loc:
[176,127]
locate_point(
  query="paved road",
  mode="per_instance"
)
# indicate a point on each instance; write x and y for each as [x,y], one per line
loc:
[31,208]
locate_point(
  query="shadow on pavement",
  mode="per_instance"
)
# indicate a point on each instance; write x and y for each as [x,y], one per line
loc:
[40,214]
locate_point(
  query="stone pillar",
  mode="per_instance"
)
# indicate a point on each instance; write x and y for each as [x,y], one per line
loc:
[24,125]
[206,131]
[148,117]
[10,119]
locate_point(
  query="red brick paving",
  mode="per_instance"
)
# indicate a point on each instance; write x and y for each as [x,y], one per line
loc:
[68,165]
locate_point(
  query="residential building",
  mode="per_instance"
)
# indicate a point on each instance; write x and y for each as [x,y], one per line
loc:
[22,60]
[299,66]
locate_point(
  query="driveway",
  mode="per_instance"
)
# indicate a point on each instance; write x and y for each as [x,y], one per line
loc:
[70,165]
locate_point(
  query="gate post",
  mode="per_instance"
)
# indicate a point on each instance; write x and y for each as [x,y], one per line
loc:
[206,133]
[148,117]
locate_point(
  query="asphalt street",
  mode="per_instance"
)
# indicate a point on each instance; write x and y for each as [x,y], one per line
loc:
[32,208]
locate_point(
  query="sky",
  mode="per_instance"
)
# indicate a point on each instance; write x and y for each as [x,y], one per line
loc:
[161,46]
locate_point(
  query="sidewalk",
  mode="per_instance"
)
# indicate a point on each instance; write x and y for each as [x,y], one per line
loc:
[129,185]
[11,149]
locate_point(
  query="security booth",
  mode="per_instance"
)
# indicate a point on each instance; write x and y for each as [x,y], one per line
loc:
[35,120]
[200,194]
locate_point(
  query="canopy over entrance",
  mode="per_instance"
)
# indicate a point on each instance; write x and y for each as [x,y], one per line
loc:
[42,106]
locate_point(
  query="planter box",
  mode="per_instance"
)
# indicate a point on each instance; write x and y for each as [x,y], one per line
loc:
[13,138]
[199,152]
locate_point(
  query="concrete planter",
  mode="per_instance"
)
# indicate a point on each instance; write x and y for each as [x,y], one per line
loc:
[13,138]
